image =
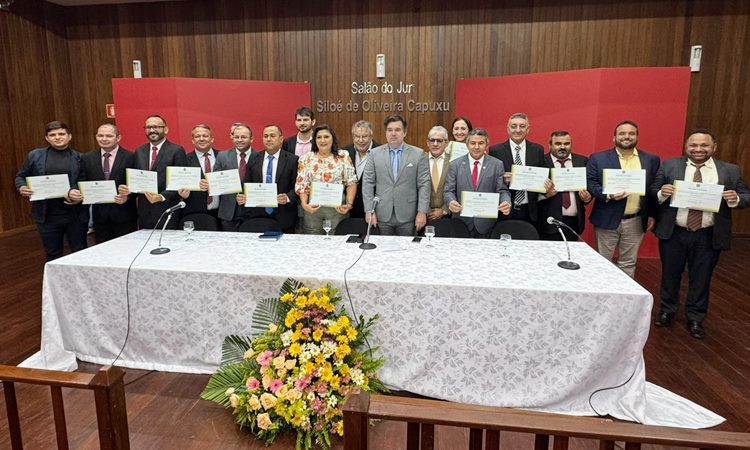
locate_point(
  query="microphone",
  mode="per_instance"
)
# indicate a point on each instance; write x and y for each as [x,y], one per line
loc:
[569,265]
[168,212]
[180,205]
[366,245]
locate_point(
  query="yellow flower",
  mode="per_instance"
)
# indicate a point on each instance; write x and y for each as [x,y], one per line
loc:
[351,333]
[329,308]
[340,428]
[291,317]
[342,351]
[308,368]
[326,373]
[303,290]
[334,329]
[294,349]
[267,400]
[335,382]
[320,359]
[286,297]
[301,301]
[342,339]
[317,334]
[281,393]
[344,370]
[343,321]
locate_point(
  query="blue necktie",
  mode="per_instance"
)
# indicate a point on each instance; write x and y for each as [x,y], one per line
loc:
[395,160]
[269,178]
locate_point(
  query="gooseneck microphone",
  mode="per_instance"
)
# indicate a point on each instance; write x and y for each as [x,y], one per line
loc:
[366,245]
[169,211]
[568,265]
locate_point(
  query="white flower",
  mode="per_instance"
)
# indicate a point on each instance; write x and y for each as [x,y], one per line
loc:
[286,338]
[229,391]
[311,396]
[332,401]
[357,376]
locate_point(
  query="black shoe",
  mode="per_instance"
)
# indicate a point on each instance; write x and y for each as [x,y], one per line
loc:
[664,320]
[696,329]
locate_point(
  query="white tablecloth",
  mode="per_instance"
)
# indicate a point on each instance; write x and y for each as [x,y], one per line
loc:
[458,322]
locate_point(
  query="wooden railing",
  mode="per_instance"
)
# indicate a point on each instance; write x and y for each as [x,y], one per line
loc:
[109,396]
[486,424]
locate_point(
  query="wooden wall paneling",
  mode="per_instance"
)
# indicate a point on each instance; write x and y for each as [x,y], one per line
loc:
[9,158]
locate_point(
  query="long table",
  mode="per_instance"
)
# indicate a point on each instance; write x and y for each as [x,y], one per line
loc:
[457,320]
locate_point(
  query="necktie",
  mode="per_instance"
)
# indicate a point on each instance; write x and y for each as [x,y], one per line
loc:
[435,176]
[395,156]
[207,169]
[154,152]
[520,196]
[243,166]
[565,195]
[269,178]
[475,173]
[106,167]
[695,217]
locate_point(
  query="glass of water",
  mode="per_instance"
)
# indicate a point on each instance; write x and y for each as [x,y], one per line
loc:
[327,227]
[429,231]
[188,226]
[504,244]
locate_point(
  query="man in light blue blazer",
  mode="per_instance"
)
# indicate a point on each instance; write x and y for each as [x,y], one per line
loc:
[476,172]
[397,173]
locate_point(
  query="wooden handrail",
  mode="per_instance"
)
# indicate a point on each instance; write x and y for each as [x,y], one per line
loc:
[361,407]
[109,396]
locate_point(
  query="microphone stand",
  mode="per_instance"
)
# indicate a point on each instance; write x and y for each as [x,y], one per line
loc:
[367,245]
[568,265]
[162,250]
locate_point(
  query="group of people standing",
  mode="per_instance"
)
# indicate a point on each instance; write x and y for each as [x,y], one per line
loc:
[400,188]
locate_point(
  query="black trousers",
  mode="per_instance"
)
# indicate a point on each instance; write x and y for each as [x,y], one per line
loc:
[694,249]
[57,228]
[107,230]
[570,221]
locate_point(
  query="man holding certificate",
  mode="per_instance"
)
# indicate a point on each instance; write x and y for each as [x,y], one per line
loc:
[46,178]
[322,175]
[696,195]
[617,179]
[475,189]
[203,158]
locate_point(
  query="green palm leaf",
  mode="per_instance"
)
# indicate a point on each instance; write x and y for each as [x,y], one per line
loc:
[226,377]
[233,349]
[268,310]
[290,286]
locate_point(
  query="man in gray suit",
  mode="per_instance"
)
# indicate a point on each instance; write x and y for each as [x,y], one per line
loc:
[691,236]
[476,172]
[398,175]
[439,158]
[230,213]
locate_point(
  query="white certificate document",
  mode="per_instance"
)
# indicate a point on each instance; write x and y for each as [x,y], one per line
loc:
[700,196]
[622,180]
[48,186]
[261,194]
[224,182]
[183,177]
[141,181]
[103,191]
[326,194]
[479,204]
[528,178]
[568,179]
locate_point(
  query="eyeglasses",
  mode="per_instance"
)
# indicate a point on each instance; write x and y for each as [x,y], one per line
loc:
[436,141]
[154,127]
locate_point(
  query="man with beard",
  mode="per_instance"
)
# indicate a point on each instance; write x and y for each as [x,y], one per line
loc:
[567,207]
[301,143]
[359,151]
[230,213]
[204,156]
[693,237]
[621,219]
[156,155]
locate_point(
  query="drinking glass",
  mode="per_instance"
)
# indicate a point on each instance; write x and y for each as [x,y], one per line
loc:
[429,231]
[327,227]
[188,226]
[505,243]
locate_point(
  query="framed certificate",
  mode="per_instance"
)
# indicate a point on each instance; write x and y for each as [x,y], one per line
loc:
[48,186]
[623,180]
[479,204]
[224,182]
[141,181]
[700,196]
[261,194]
[568,179]
[98,191]
[183,178]
[528,178]
[326,194]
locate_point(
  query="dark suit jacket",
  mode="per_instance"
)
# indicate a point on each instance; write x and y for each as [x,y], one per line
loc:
[197,200]
[729,176]
[358,208]
[552,206]
[36,164]
[111,212]
[534,157]
[286,175]
[608,214]
[169,155]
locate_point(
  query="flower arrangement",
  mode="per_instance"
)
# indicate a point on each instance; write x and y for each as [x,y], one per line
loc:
[294,375]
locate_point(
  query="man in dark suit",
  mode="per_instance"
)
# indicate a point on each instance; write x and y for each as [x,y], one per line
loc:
[108,162]
[476,172]
[438,160]
[517,150]
[204,156]
[568,207]
[230,213]
[281,167]
[156,155]
[359,151]
[301,143]
[621,219]
[691,236]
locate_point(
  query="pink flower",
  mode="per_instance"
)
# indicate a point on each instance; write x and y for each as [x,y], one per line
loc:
[252,384]
[302,383]
[264,358]
[275,385]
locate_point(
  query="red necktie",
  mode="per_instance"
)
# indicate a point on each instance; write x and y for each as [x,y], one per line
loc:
[154,151]
[565,195]
[106,168]
[695,216]
[475,173]
[243,166]
[207,169]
